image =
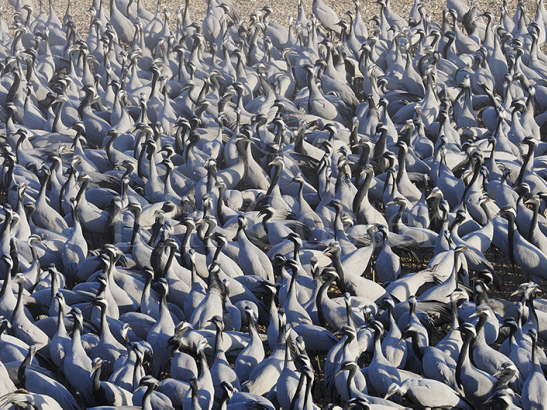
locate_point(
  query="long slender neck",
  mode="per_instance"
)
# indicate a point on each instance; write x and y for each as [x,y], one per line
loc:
[511,238]
[320,294]
[339,268]
[480,327]
[298,390]
[416,346]
[461,359]
[97,380]
[398,217]
[532,310]
[378,346]
[267,217]
[169,261]
[23,367]
[534,347]
[252,329]
[7,283]
[164,312]
[76,335]
[61,329]
[43,188]
[218,343]
[204,369]
[293,280]
[136,227]
[147,398]
[136,367]
[454,309]
[274,181]
[402,165]
[217,253]
[81,192]
[19,305]
[476,173]
[146,291]
[351,375]
[57,119]
[361,194]
[525,165]
[104,324]
[286,357]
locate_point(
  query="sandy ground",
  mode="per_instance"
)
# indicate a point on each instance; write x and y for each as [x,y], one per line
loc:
[283,9]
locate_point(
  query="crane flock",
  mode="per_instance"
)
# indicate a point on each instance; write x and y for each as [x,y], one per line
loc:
[233,213]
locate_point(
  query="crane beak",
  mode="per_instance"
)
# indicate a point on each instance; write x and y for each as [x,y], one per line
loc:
[516,293]
[393,389]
